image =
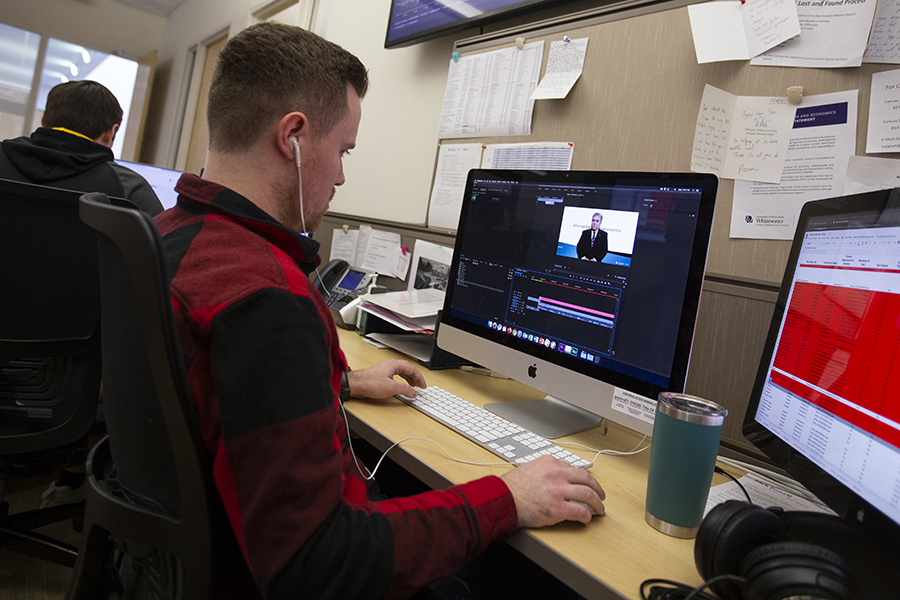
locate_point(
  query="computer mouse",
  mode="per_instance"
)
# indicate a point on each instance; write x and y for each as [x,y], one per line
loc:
[593,512]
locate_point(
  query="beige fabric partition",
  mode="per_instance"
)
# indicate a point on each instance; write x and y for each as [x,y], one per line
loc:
[635,108]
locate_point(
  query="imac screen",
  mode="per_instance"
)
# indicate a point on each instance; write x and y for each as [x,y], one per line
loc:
[161,180]
[567,280]
[826,404]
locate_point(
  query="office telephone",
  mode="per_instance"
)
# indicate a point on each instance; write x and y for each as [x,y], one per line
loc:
[342,282]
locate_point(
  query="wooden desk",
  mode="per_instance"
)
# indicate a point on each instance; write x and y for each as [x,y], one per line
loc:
[608,558]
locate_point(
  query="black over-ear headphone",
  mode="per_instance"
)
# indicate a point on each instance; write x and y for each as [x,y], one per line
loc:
[757,545]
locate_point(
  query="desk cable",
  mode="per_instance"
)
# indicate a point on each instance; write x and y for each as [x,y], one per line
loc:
[370,475]
[664,589]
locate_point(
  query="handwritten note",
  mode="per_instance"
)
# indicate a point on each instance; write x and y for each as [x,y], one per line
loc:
[884,40]
[564,67]
[883,134]
[736,31]
[742,137]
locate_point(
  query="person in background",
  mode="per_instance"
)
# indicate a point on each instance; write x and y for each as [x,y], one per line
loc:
[72,149]
[263,359]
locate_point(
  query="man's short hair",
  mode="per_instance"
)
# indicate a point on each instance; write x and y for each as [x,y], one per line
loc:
[596,214]
[85,107]
[271,69]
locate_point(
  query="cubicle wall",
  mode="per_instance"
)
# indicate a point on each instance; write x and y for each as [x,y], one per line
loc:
[635,108]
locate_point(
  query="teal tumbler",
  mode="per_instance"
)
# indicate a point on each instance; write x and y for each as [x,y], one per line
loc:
[686,434]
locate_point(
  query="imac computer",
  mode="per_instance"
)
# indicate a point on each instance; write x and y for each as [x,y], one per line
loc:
[582,284]
[161,180]
[825,406]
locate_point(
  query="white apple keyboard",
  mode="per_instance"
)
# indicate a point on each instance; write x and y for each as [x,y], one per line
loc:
[490,431]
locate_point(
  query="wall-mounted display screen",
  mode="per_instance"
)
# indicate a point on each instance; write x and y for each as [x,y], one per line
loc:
[414,21]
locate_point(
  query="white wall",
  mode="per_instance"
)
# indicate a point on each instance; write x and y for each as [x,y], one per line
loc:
[188,25]
[389,174]
[101,24]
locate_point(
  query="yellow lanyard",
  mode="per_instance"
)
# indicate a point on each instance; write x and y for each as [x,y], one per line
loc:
[81,135]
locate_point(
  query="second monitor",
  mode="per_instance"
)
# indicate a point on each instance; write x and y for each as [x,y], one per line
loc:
[584,285]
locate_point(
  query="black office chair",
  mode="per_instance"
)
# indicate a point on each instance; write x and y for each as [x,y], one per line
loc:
[154,519]
[49,351]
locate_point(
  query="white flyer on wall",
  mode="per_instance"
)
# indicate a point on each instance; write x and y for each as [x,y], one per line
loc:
[868,173]
[883,133]
[489,94]
[823,140]
[453,166]
[833,33]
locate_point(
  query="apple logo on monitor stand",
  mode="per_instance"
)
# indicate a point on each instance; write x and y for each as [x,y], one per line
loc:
[532,371]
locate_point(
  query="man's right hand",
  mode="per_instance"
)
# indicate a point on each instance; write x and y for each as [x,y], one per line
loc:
[547,491]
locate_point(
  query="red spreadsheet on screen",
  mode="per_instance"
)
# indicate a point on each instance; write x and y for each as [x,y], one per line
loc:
[836,349]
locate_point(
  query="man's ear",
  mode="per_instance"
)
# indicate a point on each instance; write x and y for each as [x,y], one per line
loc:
[294,124]
[107,137]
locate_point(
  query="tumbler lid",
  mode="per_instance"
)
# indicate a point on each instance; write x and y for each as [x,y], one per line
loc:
[691,408]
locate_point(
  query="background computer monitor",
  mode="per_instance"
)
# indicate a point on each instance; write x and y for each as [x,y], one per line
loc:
[161,180]
[414,21]
[826,403]
[602,337]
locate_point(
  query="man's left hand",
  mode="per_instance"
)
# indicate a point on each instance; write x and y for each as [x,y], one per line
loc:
[378,381]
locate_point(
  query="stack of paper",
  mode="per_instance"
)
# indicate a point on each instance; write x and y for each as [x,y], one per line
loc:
[410,310]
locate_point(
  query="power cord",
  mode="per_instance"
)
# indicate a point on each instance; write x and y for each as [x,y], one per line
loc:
[665,589]
[722,471]
[369,475]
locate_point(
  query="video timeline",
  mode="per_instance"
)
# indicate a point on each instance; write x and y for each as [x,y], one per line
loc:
[572,311]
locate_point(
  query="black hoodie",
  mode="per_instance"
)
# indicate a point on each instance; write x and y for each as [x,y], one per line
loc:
[62,160]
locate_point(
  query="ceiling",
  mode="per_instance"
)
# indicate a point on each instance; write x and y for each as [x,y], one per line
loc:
[162,8]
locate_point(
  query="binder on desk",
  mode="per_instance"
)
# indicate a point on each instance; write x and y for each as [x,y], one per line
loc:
[420,345]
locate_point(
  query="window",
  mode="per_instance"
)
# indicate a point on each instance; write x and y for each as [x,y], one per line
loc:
[23,96]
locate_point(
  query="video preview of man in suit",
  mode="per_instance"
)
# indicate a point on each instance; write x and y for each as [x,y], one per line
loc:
[593,243]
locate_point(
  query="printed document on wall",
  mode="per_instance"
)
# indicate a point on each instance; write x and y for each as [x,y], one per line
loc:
[454,163]
[884,40]
[489,94]
[550,156]
[742,137]
[343,245]
[739,31]
[869,174]
[822,141]
[833,33]
[883,133]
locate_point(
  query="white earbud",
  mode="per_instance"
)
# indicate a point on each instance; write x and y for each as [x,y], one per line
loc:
[293,140]
[296,145]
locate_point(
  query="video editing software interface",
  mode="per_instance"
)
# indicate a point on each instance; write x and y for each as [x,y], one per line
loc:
[524,271]
[830,391]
